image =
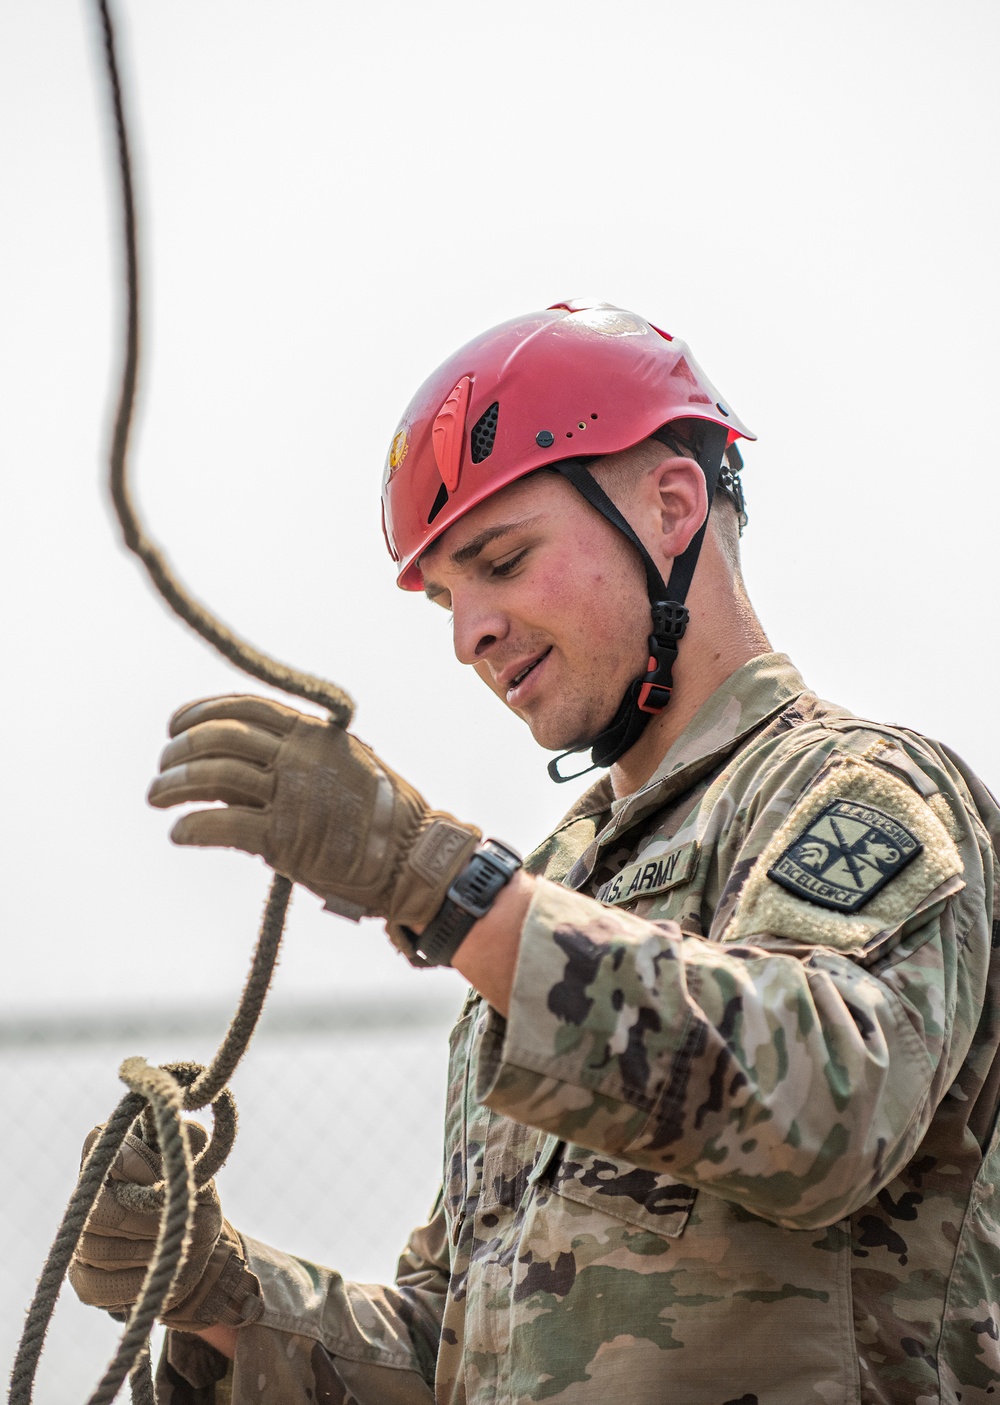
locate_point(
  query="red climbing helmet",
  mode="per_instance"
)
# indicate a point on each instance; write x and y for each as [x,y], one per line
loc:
[579,379]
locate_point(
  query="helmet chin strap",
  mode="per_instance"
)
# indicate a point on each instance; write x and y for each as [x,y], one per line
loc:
[646,696]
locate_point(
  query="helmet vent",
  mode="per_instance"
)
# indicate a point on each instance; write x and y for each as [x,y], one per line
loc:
[484,433]
[438,504]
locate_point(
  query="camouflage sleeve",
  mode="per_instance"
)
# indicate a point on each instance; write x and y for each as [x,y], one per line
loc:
[320,1337]
[792,1063]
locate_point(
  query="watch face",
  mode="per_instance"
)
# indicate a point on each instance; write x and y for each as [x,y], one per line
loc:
[478,883]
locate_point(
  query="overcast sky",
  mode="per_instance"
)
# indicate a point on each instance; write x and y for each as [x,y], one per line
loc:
[333,198]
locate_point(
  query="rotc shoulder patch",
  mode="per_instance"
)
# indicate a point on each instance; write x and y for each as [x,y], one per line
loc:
[845,855]
[855,860]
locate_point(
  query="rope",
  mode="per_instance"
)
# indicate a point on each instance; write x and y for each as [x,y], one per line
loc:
[157,1096]
[165,1092]
[177,596]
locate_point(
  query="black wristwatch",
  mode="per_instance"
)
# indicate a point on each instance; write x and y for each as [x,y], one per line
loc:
[469,898]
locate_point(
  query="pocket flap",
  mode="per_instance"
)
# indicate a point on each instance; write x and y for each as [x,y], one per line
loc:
[647,1199]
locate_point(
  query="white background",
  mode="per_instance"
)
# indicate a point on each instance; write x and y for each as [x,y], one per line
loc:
[332,199]
[335,197]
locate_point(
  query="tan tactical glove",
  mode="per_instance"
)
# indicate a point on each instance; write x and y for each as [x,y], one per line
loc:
[116,1248]
[313,801]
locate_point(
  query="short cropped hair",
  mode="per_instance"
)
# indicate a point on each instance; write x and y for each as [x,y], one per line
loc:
[617,478]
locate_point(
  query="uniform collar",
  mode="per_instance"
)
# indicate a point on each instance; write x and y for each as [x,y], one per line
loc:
[747,699]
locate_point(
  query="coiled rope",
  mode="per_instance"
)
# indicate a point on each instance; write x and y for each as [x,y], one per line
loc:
[158,1096]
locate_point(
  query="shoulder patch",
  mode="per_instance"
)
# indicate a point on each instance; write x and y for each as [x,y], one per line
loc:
[859,856]
[845,855]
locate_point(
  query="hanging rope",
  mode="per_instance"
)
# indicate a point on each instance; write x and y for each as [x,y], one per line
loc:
[158,1096]
[180,600]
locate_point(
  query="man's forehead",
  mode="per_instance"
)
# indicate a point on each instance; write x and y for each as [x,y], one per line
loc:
[514,505]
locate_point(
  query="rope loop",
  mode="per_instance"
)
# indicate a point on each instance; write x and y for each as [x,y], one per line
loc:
[208,1162]
[157,1096]
[161,1092]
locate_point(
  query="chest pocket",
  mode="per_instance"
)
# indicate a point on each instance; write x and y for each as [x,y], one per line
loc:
[647,1200]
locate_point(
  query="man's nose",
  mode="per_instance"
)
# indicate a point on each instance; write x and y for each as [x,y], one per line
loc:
[476,630]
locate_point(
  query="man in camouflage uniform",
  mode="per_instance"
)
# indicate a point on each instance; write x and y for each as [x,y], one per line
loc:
[722,1100]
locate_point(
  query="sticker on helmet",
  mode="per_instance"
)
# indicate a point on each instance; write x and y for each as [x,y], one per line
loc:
[609,322]
[398,448]
[845,856]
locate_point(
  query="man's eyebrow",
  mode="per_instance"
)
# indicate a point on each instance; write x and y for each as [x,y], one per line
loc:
[472,548]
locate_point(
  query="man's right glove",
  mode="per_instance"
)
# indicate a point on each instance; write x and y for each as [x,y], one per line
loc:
[109,1265]
[316,803]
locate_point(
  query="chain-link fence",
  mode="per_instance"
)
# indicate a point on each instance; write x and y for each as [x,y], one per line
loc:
[337,1157]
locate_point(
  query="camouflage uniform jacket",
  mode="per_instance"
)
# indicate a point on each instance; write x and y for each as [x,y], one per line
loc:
[736,1143]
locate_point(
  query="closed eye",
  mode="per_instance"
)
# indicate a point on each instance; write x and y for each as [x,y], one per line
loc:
[437,595]
[504,568]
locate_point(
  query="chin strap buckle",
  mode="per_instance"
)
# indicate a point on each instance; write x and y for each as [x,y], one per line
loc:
[669,623]
[653,697]
[670,620]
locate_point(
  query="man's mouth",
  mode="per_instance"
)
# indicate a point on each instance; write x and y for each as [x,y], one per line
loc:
[528,669]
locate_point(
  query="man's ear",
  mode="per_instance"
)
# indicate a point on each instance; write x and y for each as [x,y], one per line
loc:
[679,504]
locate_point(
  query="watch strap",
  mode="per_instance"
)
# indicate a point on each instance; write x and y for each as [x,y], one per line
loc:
[469,898]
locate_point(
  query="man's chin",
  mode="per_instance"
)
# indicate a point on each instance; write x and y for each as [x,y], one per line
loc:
[553,734]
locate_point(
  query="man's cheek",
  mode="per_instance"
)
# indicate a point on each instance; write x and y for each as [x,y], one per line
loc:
[482,670]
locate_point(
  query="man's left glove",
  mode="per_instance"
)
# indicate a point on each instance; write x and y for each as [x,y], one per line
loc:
[110,1262]
[317,804]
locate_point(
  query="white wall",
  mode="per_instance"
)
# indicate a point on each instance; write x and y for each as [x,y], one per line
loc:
[335,197]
